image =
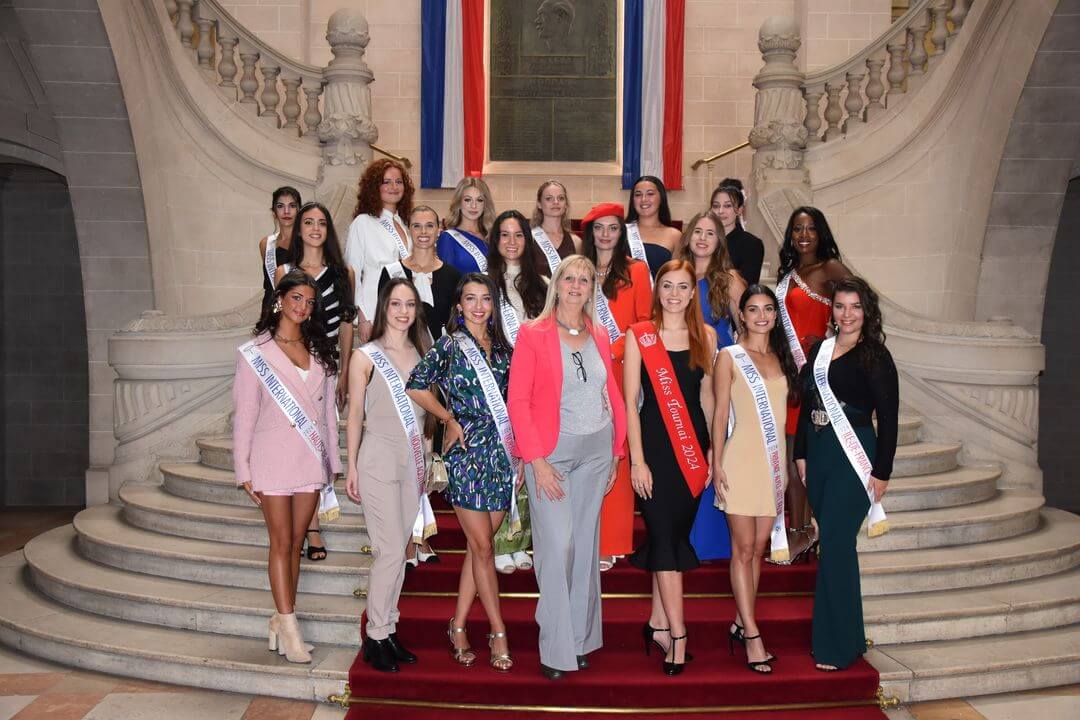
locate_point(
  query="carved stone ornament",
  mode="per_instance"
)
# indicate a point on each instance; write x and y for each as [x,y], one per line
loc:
[348,27]
[347,129]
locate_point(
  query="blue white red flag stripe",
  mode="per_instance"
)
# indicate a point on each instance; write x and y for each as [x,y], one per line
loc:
[653,42]
[452,91]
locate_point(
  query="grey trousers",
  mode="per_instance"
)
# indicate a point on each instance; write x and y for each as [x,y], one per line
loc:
[566,542]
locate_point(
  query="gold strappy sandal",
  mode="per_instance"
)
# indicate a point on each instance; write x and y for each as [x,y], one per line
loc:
[462,656]
[502,662]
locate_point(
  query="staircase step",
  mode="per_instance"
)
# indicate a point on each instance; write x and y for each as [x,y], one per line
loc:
[909,429]
[44,628]
[197,481]
[1009,513]
[1054,546]
[961,486]
[57,570]
[152,508]
[104,537]
[980,666]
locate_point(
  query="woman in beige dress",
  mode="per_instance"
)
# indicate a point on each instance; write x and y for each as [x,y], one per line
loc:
[742,473]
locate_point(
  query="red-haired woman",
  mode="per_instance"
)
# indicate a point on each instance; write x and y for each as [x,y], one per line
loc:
[377,235]
[669,467]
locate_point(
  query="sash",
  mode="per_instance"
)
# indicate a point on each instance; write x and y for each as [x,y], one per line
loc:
[552,255]
[785,320]
[603,314]
[388,225]
[692,461]
[270,257]
[637,245]
[771,435]
[403,406]
[877,523]
[421,281]
[470,247]
[424,526]
[511,324]
[497,407]
[307,428]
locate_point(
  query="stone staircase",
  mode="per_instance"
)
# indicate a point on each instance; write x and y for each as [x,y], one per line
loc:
[974,589]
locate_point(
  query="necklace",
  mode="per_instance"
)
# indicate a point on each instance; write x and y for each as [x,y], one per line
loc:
[573,331]
[287,341]
[417,268]
[313,267]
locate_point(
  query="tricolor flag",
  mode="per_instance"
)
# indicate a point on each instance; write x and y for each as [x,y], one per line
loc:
[452,91]
[653,39]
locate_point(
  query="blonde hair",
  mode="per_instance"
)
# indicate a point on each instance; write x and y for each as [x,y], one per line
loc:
[571,262]
[486,219]
[538,214]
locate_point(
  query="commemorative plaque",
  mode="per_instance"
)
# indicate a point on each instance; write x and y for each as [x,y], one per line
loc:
[552,84]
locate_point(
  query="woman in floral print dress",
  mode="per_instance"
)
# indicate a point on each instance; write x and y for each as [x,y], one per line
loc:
[481,477]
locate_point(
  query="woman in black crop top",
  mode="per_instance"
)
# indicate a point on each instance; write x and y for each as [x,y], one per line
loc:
[863,378]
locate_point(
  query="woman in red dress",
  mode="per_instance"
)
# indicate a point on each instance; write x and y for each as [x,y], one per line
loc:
[623,286]
[810,267]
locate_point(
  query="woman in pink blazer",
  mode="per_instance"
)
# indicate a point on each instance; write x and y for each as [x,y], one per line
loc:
[570,427]
[291,357]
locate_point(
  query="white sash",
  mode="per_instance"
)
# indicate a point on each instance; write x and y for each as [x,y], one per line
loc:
[421,281]
[511,324]
[497,407]
[270,257]
[603,314]
[552,255]
[388,225]
[470,247]
[403,407]
[305,426]
[876,523]
[785,320]
[637,245]
[771,434]
[424,526]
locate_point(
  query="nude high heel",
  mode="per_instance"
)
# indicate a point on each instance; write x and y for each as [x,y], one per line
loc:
[284,634]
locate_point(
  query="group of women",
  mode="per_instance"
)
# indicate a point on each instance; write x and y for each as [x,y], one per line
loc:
[565,381]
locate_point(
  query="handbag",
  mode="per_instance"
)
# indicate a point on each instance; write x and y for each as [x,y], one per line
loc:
[437,480]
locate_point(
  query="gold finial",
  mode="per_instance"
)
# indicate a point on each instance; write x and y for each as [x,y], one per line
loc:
[886,701]
[345,696]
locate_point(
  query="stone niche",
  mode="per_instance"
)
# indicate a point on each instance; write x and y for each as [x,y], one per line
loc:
[553,80]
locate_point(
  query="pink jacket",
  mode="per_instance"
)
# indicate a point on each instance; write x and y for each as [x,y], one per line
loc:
[536,390]
[267,450]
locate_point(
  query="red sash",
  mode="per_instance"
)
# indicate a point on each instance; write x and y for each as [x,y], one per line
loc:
[692,461]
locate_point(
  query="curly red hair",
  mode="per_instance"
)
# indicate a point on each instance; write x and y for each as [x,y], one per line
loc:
[367,194]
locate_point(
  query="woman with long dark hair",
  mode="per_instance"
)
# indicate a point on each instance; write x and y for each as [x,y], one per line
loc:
[652,236]
[378,235]
[810,267]
[757,378]
[849,380]
[274,248]
[668,471]
[385,460]
[285,436]
[471,366]
[623,297]
[315,250]
[745,249]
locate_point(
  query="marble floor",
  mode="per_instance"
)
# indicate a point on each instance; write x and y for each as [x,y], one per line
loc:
[31,689]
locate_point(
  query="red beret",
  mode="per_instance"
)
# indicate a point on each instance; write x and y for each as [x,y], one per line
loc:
[603,210]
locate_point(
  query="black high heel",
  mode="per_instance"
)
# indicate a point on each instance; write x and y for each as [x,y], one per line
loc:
[674,668]
[313,550]
[760,665]
[733,635]
[647,635]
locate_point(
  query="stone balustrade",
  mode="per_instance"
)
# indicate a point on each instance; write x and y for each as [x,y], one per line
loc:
[284,93]
[860,88]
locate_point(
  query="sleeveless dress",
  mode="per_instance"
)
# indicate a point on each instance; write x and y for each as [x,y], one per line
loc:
[722,325]
[450,251]
[331,303]
[669,513]
[750,490]
[281,257]
[809,313]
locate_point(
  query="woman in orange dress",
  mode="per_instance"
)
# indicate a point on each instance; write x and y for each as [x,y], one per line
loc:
[810,267]
[624,297]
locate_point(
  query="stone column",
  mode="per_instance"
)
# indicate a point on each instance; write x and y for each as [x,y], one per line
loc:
[780,179]
[346,128]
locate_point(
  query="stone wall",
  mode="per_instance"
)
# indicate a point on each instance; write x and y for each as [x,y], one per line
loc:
[834,30]
[281,23]
[1059,389]
[45,445]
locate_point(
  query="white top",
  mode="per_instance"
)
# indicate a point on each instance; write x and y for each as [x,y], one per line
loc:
[302,372]
[368,248]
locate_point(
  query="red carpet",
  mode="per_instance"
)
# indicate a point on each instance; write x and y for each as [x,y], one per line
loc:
[620,675]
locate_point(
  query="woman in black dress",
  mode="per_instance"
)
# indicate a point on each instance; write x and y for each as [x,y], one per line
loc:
[666,499]
[745,249]
[274,248]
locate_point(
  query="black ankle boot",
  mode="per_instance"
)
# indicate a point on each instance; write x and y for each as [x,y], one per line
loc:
[379,655]
[401,653]
[549,672]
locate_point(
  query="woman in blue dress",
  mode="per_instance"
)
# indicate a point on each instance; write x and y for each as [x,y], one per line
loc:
[719,287]
[481,477]
[472,212]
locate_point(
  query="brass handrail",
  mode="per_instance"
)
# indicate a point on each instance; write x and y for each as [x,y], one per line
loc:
[400,158]
[713,158]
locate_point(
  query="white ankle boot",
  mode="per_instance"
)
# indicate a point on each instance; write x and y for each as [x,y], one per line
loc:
[285,638]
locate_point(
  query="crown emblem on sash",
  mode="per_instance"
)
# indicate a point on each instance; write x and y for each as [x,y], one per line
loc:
[648,339]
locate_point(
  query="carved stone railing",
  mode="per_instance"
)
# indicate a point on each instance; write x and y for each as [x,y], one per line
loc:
[860,88]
